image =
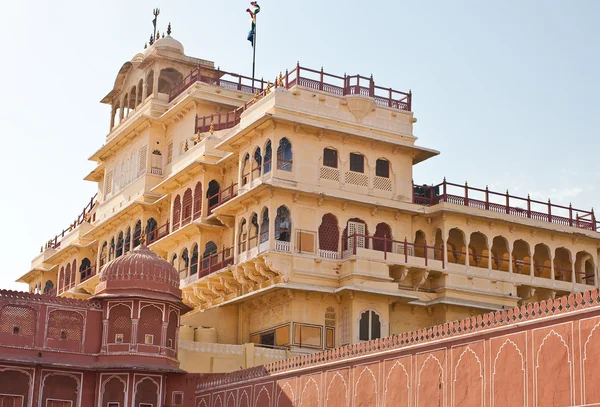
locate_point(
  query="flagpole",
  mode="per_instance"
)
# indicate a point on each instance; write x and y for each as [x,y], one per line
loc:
[254,50]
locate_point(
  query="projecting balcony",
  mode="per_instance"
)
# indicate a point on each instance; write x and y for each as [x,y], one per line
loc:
[504,203]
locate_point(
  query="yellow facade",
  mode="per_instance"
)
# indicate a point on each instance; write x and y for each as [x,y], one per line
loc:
[313,239]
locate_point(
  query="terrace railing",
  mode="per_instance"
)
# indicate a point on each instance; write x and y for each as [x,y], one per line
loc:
[216,77]
[216,262]
[308,78]
[498,202]
[87,273]
[222,196]
[82,217]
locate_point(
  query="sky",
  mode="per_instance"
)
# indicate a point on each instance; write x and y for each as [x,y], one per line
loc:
[507,91]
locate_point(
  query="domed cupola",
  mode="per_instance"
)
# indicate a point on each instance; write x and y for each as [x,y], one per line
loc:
[139,273]
[169,43]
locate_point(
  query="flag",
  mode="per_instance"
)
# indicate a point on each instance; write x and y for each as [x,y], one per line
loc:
[255,9]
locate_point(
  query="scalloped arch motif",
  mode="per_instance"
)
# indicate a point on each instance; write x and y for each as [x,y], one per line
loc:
[283,399]
[393,396]
[307,398]
[472,393]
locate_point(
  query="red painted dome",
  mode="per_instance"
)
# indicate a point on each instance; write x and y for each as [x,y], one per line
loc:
[139,273]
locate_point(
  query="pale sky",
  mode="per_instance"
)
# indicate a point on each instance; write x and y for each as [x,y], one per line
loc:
[507,91]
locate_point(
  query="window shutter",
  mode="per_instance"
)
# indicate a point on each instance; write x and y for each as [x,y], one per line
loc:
[108,183]
[143,160]
[170,153]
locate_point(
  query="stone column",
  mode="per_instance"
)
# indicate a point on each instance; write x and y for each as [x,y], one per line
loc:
[155,81]
[510,260]
[552,277]
[144,90]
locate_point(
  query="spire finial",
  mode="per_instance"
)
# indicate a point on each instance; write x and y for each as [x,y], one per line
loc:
[211,130]
[169,29]
[151,39]
[157,35]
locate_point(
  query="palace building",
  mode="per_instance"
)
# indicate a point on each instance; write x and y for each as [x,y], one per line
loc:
[281,219]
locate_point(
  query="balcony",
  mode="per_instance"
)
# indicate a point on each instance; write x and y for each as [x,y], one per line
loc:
[224,195]
[504,203]
[208,265]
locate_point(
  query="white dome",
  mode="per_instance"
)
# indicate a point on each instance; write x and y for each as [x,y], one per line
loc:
[169,42]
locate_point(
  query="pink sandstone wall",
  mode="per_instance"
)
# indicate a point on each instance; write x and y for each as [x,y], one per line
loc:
[544,355]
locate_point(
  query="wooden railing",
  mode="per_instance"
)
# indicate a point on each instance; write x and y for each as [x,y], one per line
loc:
[317,80]
[216,77]
[87,273]
[388,246]
[216,262]
[498,202]
[158,233]
[82,217]
[221,197]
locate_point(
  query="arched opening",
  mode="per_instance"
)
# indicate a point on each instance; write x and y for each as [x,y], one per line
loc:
[174,260]
[329,236]
[140,88]
[268,157]
[283,229]
[137,233]
[61,279]
[120,243]
[541,261]
[212,194]
[176,220]
[150,83]
[48,287]
[478,250]
[126,105]
[382,238]
[127,240]
[103,254]
[521,257]
[246,169]
[198,200]
[149,331]
[151,230]
[563,266]
[184,264]
[369,326]
[85,269]
[194,262]
[172,330]
[585,270]
[500,255]
[284,155]
[167,80]
[253,232]
[133,98]
[264,226]
[119,324]
[146,393]
[256,171]
[116,115]
[111,249]
[186,207]
[242,236]
[420,244]
[210,250]
[456,246]
[355,234]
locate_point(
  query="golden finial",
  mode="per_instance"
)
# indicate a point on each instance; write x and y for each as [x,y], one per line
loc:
[280,80]
[142,239]
[186,147]
[157,35]
[256,96]
[197,138]
[169,29]
[268,90]
[151,39]
[211,130]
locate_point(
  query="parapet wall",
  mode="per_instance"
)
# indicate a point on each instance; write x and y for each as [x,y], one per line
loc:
[542,354]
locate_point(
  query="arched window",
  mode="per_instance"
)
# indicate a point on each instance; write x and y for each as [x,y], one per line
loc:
[151,230]
[198,200]
[85,269]
[258,161]
[137,233]
[268,158]
[186,207]
[172,330]
[167,80]
[369,326]
[174,260]
[119,324]
[212,194]
[329,236]
[330,158]
[176,213]
[150,82]
[355,231]
[68,281]
[264,226]
[48,287]
[357,162]
[246,169]
[127,240]
[284,155]
[120,243]
[150,326]
[61,278]
[103,254]
[111,249]
[194,266]
[185,259]
[382,238]
[253,240]
[283,224]
[242,236]
[382,168]
[210,249]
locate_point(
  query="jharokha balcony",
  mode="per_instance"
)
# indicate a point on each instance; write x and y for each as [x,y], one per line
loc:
[505,203]
[305,77]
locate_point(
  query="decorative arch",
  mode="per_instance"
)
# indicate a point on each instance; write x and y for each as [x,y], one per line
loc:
[149,331]
[478,250]
[456,246]
[65,325]
[18,320]
[147,391]
[151,230]
[264,225]
[176,213]
[198,200]
[137,233]
[541,261]
[242,236]
[113,389]
[521,257]
[356,230]
[420,243]
[283,224]
[172,330]
[329,236]
[563,264]
[119,324]
[194,260]
[500,254]
[284,155]
[268,157]
[186,207]
[213,195]
[120,243]
[369,325]
[382,238]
